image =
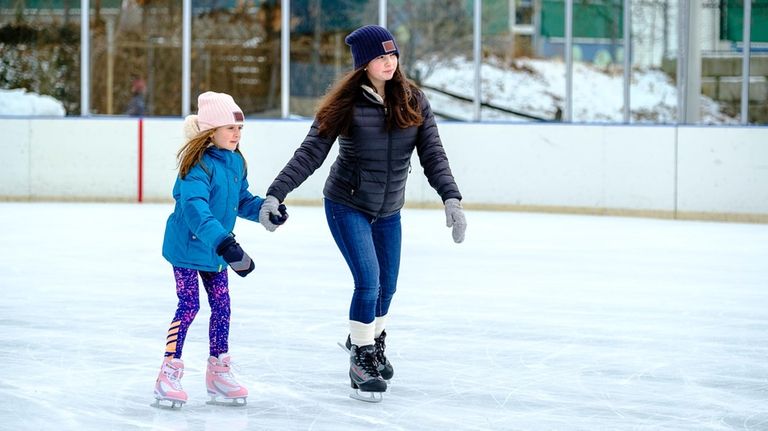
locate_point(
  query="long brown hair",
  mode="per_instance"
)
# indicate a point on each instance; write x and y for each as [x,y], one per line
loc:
[334,113]
[192,152]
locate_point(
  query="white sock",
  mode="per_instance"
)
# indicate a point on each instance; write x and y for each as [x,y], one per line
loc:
[361,334]
[379,322]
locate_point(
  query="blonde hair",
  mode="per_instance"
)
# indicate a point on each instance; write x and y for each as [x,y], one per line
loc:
[191,153]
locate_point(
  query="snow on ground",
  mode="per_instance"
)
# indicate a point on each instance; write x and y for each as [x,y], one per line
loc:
[537,87]
[535,322]
[20,102]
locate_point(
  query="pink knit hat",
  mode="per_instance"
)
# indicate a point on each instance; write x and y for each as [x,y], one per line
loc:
[216,110]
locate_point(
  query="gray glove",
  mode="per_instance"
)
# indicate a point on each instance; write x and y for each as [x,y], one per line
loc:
[269,208]
[454,217]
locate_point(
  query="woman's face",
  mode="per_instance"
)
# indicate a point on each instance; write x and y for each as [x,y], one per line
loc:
[227,137]
[382,68]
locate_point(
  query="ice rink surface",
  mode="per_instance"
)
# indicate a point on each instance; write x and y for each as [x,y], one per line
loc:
[535,322]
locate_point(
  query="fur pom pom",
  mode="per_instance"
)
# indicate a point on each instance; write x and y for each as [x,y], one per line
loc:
[191,128]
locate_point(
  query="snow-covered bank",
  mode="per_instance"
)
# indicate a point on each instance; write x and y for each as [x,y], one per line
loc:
[532,86]
[537,88]
[20,102]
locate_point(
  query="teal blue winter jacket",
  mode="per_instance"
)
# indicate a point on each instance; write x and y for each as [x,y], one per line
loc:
[208,200]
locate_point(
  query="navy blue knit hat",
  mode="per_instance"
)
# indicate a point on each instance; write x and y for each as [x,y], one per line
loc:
[369,42]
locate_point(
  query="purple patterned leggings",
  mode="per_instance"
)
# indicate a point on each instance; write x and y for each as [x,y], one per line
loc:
[187,289]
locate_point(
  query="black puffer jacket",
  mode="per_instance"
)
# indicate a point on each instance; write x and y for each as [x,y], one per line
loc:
[373,163]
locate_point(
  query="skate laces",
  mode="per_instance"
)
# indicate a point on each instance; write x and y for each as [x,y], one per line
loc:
[379,351]
[174,376]
[229,378]
[366,359]
[224,371]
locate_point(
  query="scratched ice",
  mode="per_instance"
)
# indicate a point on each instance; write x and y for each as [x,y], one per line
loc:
[536,322]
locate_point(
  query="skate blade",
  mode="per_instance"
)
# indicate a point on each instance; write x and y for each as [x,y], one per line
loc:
[344,347]
[227,402]
[368,397]
[161,404]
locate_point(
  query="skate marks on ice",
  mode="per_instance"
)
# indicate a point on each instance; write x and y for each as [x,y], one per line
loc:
[200,417]
[536,322]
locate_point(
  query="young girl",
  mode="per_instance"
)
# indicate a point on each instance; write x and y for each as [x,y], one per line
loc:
[379,118]
[211,190]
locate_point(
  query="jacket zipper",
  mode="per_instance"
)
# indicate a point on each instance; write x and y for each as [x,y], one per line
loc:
[389,168]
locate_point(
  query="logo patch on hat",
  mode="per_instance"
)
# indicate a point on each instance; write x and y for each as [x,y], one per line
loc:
[388,45]
[238,116]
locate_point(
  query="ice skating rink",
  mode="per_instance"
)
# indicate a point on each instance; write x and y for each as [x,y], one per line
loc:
[536,322]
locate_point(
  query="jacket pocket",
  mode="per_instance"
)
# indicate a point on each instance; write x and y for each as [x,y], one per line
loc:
[354,184]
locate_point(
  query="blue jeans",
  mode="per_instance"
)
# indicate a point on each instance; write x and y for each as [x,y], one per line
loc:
[371,248]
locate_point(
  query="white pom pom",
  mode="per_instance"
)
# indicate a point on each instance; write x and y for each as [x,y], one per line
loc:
[191,128]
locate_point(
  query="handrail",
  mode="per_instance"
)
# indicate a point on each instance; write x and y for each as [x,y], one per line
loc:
[485,104]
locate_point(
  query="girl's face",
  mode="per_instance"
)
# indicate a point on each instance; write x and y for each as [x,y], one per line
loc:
[382,68]
[227,137]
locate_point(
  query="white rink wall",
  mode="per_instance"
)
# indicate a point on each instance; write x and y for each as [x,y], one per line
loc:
[664,171]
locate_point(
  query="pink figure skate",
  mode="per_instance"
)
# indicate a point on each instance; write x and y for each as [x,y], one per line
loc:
[222,386]
[168,385]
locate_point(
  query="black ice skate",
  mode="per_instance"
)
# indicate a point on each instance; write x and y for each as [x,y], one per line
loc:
[364,375]
[385,367]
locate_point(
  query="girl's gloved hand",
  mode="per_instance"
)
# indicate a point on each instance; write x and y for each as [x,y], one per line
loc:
[279,219]
[271,215]
[454,217]
[234,255]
